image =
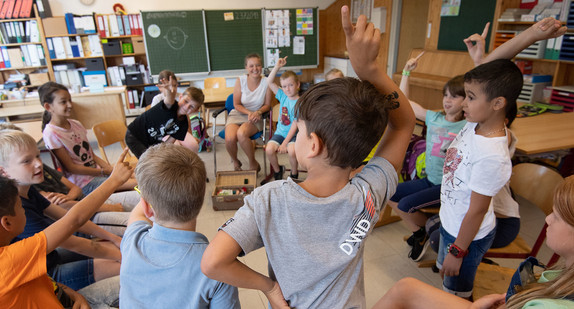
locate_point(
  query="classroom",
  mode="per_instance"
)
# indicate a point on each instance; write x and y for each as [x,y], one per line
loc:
[148,75]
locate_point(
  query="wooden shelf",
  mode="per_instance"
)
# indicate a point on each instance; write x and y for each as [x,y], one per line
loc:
[69,35]
[75,58]
[23,68]
[20,44]
[121,36]
[124,55]
[16,19]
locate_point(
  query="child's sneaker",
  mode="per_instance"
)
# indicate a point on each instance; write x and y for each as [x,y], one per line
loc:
[279,175]
[410,240]
[294,176]
[420,245]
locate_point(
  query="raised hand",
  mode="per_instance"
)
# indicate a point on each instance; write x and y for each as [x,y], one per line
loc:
[363,42]
[413,62]
[475,44]
[281,62]
[122,170]
[547,28]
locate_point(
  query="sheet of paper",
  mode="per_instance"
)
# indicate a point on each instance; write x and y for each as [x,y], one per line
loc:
[299,45]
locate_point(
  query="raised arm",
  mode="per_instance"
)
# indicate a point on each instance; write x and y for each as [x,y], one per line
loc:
[475,44]
[60,230]
[169,90]
[219,262]
[363,45]
[420,112]
[271,78]
[545,29]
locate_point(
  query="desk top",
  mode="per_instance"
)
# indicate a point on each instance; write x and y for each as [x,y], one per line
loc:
[216,95]
[544,133]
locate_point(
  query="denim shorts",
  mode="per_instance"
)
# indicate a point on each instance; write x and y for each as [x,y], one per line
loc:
[280,138]
[74,270]
[462,284]
[93,185]
[416,194]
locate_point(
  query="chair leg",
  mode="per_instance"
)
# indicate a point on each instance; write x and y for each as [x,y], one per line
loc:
[386,217]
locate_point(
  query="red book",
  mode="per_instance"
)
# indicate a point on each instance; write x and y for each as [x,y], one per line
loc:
[26,10]
[10,11]
[4,9]
[17,8]
[101,26]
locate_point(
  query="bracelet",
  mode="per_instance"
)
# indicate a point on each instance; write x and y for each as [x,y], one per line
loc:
[406,73]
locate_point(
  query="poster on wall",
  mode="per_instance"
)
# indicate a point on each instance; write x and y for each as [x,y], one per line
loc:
[304,19]
[450,8]
[361,7]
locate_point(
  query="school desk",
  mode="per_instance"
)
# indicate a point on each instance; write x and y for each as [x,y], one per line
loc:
[544,133]
[214,98]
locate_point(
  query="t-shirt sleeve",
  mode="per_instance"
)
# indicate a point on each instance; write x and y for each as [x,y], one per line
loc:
[225,296]
[131,234]
[280,95]
[22,262]
[243,226]
[378,178]
[549,304]
[51,140]
[490,174]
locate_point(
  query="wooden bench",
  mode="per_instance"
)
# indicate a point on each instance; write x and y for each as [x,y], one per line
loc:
[434,69]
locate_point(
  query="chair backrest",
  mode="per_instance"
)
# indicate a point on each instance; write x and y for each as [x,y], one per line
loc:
[108,133]
[214,82]
[229,103]
[536,183]
[276,112]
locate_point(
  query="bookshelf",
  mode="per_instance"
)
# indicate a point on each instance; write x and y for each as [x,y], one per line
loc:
[23,51]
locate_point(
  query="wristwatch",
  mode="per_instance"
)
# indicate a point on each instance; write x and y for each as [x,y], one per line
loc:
[457,251]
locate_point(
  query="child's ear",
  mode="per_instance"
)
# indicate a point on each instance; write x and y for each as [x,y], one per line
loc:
[147,210]
[316,145]
[499,103]
[6,223]
[3,172]
[47,106]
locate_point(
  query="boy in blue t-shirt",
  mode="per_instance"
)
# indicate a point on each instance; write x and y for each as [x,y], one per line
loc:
[283,141]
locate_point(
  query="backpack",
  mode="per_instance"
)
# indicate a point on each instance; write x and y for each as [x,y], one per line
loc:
[198,130]
[413,165]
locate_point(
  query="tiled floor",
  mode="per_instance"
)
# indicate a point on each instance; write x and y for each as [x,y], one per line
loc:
[385,253]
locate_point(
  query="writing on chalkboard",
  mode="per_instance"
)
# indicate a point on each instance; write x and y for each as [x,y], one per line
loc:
[162,15]
[247,15]
[176,38]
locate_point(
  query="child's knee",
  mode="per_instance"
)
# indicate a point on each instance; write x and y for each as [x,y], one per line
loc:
[271,149]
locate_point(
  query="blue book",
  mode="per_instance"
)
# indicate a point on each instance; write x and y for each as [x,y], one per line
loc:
[127,28]
[70,23]
[6,57]
[120,25]
[51,50]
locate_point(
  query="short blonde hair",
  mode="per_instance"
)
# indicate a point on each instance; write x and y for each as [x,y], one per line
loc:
[171,179]
[12,140]
[195,94]
[333,72]
[288,74]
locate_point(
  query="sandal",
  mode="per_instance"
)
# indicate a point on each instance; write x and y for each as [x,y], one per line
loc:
[237,167]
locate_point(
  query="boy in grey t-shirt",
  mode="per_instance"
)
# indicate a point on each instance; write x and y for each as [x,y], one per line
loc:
[314,231]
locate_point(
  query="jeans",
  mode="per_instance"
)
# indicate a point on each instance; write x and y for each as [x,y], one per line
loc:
[416,194]
[103,294]
[462,284]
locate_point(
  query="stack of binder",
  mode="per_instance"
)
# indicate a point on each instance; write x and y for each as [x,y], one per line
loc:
[564,96]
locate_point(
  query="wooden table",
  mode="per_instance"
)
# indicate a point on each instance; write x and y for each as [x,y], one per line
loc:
[89,108]
[544,133]
[214,98]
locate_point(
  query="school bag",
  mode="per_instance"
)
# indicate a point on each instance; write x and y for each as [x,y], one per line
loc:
[197,125]
[414,163]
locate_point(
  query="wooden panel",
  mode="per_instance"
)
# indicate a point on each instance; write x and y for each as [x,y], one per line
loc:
[413,29]
[434,21]
[334,37]
[93,108]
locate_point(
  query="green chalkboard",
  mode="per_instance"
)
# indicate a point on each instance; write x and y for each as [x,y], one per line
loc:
[473,15]
[175,40]
[231,35]
[310,57]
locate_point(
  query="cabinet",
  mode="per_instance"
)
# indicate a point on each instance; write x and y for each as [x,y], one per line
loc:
[23,50]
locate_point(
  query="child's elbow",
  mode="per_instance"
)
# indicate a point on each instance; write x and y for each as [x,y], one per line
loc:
[209,265]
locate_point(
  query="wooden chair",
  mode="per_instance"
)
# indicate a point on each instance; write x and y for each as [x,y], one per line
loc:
[209,83]
[111,132]
[535,183]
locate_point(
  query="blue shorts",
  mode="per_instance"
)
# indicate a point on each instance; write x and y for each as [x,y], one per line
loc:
[280,138]
[93,185]
[416,194]
[462,284]
[74,270]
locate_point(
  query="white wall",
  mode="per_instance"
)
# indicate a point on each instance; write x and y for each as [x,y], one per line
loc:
[59,7]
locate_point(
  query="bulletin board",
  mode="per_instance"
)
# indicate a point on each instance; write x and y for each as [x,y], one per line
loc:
[472,17]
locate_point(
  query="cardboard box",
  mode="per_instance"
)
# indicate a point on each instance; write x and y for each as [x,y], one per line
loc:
[37,79]
[232,180]
[55,26]
[139,46]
